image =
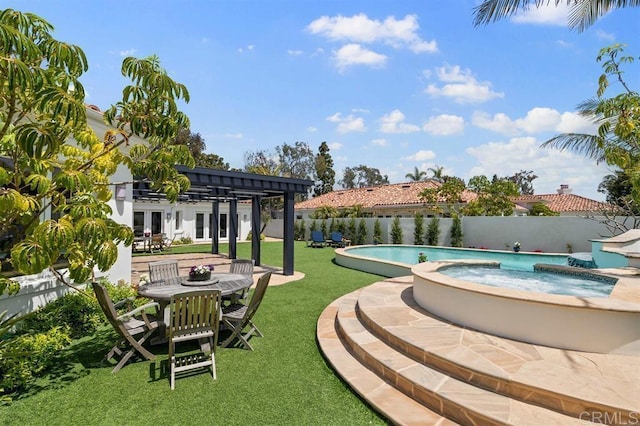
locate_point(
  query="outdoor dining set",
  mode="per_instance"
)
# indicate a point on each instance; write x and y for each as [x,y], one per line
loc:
[186,308]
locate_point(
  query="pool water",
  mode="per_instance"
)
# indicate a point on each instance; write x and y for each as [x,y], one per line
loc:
[409,255]
[541,282]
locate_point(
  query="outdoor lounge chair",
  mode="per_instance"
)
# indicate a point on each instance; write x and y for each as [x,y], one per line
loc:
[238,317]
[317,239]
[163,270]
[133,327]
[336,240]
[194,316]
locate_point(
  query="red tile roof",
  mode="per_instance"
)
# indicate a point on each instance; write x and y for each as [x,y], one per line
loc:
[397,194]
[562,202]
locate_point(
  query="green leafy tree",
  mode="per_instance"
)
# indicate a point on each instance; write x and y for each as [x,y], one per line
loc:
[448,193]
[42,107]
[418,229]
[361,177]
[617,187]
[581,15]
[361,236]
[296,161]
[437,173]
[494,197]
[377,231]
[323,226]
[417,175]
[196,146]
[396,231]
[325,212]
[456,232]
[541,209]
[523,179]
[351,229]
[433,231]
[325,175]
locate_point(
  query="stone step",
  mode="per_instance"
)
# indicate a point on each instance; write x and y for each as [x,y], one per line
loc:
[582,385]
[384,398]
[457,400]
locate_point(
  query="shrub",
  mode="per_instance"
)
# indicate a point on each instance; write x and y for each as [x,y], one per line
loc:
[300,231]
[351,229]
[185,240]
[418,229]
[396,231]
[333,226]
[323,226]
[313,226]
[341,227]
[456,232]
[361,236]
[377,232]
[433,231]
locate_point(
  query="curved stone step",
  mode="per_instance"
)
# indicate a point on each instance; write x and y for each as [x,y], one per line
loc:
[384,398]
[455,399]
[582,385]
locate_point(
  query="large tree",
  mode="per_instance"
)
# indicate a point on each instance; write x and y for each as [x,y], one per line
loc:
[523,179]
[296,161]
[417,175]
[437,173]
[197,146]
[325,175]
[362,176]
[583,13]
[43,175]
[494,197]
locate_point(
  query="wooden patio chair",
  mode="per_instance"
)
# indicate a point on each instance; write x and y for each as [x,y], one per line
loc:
[238,317]
[194,316]
[157,243]
[163,270]
[133,327]
[242,267]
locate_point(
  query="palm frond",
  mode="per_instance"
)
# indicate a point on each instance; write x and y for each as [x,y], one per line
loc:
[590,146]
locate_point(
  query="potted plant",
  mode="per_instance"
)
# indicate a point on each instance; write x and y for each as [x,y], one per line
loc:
[200,273]
[422,257]
[516,246]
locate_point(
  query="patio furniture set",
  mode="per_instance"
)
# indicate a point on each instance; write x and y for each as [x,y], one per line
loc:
[336,239]
[186,310]
[155,243]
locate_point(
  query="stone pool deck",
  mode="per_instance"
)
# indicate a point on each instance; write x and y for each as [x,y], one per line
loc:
[416,368]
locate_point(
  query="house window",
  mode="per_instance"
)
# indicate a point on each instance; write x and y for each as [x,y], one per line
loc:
[138,223]
[199,225]
[178,220]
[223,225]
[156,222]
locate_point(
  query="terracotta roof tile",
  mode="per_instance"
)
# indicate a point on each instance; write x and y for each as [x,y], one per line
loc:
[562,202]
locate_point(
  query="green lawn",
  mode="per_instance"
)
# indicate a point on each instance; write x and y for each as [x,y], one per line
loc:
[284,381]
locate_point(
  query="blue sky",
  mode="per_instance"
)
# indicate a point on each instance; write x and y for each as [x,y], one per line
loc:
[388,84]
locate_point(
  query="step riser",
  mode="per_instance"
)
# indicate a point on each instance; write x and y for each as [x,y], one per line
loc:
[542,397]
[438,404]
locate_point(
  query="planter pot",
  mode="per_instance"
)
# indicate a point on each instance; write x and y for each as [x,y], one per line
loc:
[516,249]
[199,277]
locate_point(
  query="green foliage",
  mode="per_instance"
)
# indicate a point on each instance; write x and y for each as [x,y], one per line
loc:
[396,231]
[417,175]
[361,235]
[32,355]
[418,229]
[422,257]
[325,175]
[494,197]
[341,226]
[300,229]
[333,225]
[323,226]
[433,231]
[313,226]
[325,212]
[362,176]
[541,209]
[456,232]
[351,229]
[74,312]
[448,193]
[47,172]
[377,231]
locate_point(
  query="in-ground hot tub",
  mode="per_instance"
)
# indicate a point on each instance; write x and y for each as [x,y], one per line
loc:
[594,324]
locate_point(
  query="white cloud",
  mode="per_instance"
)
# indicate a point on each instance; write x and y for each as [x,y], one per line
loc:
[129,52]
[461,86]
[355,54]
[347,124]
[552,167]
[546,14]
[422,155]
[603,35]
[537,120]
[335,146]
[444,124]
[379,142]
[397,33]
[292,52]
[564,44]
[249,47]
[234,135]
[394,123]
[312,129]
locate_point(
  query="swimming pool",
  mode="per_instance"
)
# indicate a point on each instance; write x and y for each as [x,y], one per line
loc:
[409,255]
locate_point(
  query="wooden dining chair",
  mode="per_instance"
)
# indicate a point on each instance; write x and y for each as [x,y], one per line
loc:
[133,327]
[163,270]
[239,318]
[242,267]
[194,315]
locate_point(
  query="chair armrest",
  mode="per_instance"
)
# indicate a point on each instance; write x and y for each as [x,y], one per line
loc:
[141,309]
[128,302]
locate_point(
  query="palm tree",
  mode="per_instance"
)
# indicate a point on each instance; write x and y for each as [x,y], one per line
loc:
[437,173]
[583,13]
[417,175]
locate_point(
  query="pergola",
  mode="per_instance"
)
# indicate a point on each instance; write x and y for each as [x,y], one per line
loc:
[230,187]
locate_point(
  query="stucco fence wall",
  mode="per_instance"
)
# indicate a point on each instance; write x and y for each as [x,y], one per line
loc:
[548,233]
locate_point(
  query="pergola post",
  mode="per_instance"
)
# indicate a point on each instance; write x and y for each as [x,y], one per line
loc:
[214,225]
[256,200]
[288,233]
[233,228]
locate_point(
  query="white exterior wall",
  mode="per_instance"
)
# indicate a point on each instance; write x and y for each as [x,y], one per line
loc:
[545,233]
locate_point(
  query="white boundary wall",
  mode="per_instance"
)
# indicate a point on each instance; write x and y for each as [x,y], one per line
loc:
[547,233]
